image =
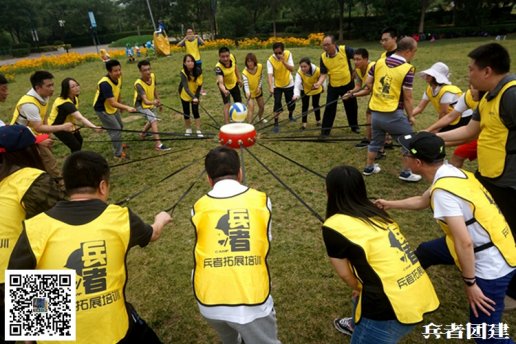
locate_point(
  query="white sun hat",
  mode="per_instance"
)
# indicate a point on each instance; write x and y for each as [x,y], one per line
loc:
[439,71]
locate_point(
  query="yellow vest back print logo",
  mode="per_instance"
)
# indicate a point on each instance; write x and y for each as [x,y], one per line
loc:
[235,228]
[89,262]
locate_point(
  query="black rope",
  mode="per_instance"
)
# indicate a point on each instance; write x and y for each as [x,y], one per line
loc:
[280,110]
[149,157]
[181,138]
[242,163]
[292,161]
[136,194]
[286,187]
[189,116]
[253,120]
[209,115]
[187,191]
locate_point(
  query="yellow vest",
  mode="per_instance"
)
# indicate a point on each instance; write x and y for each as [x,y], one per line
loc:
[470,102]
[363,78]
[338,67]
[149,91]
[406,284]
[231,249]
[436,100]
[254,80]
[192,48]
[493,136]
[96,251]
[281,74]
[387,86]
[485,213]
[116,94]
[53,112]
[230,78]
[12,214]
[26,99]
[309,81]
[193,85]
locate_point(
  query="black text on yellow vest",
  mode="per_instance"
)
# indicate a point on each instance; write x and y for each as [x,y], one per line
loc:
[254,80]
[407,286]
[338,67]
[57,103]
[436,100]
[148,89]
[13,187]
[309,80]
[116,94]
[230,78]
[96,251]
[492,141]
[387,86]
[231,249]
[26,99]
[282,76]
[485,213]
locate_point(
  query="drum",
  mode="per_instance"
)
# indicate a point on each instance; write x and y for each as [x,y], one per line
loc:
[236,134]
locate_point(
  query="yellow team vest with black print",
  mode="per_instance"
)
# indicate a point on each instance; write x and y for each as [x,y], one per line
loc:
[436,100]
[192,48]
[363,78]
[493,136]
[230,78]
[254,80]
[13,187]
[282,76]
[96,251]
[485,213]
[309,80]
[232,243]
[470,102]
[148,89]
[26,99]
[405,283]
[116,94]
[338,67]
[193,85]
[57,103]
[387,86]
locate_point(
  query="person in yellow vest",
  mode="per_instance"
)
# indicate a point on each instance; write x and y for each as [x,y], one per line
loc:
[464,108]
[25,191]
[369,252]
[108,102]
[441,94]
[477,237]
[335,65]
[306,76]
[228,80]
[190,94]
[389,41]
[92,237]
[493,123]
[390,80]
[31,110]
[231,278]
[280,65]
[252,79]
[66,109]
[192,42]
[362,68]
[147,102]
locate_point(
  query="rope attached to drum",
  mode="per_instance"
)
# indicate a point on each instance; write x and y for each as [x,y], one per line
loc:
[187,191]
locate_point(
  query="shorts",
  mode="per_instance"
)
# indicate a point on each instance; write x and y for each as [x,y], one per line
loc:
[235,93]
[151,115]
[467,150]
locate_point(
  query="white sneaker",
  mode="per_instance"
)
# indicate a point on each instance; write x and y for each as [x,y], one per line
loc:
[199,133]
[371,170]
[264,120]
[408,176]
[188,132]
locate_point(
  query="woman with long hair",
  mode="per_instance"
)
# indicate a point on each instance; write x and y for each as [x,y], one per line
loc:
[189,92]
[370,254]
[252,80]
[66,109]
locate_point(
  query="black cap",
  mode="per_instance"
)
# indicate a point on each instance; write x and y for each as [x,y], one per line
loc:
[424,146]
[15,137]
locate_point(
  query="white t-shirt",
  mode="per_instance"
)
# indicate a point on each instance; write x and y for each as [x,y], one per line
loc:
[298,83]
[30,112]
[236,314]
[270,69]
[489,263]
[447,97]
[462,107]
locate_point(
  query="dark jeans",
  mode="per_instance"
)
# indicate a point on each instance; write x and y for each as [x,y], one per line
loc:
[350,105]
[139,331]
[71,140]
[504,198]
[289,93]
[305,102]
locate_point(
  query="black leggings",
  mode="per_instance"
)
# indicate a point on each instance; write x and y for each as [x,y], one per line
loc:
[186,109]
[72,140]
[305,102]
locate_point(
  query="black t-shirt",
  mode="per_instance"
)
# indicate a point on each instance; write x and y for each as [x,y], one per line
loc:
[375,304]
[63,111]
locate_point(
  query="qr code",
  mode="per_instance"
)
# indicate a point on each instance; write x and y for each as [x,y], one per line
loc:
[40,305]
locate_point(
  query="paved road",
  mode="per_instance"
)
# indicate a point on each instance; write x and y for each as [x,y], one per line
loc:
[81,50]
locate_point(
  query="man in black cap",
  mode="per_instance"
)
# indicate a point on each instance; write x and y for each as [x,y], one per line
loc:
[477,237]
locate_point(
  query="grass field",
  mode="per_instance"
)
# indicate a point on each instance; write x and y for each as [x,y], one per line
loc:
[308,295]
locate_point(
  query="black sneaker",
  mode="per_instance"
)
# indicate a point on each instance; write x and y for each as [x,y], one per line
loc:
[356,130]
[363,144]
[291,118]
[344,325]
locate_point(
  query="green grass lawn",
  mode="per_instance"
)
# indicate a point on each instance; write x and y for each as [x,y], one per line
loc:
[308,295]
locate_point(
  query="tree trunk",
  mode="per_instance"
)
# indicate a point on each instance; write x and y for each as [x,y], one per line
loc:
[341,19]
[424,7]
[273,18]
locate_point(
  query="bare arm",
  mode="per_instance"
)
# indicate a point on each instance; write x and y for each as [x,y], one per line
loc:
[220,84]
[462,134]
[407,103]
[319,82]
[45,128]
[343,269]
[77,115]
[411,203]
[160,220]
[420,107]
[116,104]
[444,121]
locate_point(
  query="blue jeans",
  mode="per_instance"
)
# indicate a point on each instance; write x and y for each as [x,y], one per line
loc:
[369,331]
